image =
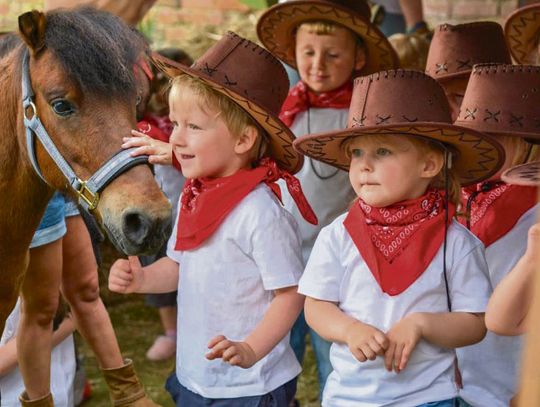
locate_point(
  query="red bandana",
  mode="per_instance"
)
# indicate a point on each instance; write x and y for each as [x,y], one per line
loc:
[384,238]
[300,98]
[205,203]
[151,130]
[495,208]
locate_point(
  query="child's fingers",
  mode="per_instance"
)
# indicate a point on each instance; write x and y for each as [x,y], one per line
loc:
[397,356]
[389,356]
[137,133]
[121,264]
[381,339]
[405,357]
[236,360]
[368,352]
[358,354]
[215,340]
[533,240]
[230,352]
[376,347]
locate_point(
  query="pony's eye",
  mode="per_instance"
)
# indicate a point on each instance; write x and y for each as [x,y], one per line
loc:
[62,107]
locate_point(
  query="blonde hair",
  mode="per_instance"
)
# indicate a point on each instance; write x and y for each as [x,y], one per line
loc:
[325,27]
[425,146]
[411,49]
[524,152]
[235,117]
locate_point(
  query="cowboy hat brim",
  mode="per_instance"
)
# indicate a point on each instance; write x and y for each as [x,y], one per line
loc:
[520,29]
[276,30]
[524,174]
[281,138]
[478,156]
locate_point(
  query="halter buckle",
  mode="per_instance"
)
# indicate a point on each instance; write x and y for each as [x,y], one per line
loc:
[90,198]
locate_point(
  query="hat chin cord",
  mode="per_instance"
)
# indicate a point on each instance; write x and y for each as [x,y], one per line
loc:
[447,166]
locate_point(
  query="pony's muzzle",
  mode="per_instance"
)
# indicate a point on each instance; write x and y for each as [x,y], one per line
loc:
[143,233]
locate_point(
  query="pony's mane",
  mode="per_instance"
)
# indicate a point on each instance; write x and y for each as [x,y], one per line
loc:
[8,42]
[96,49]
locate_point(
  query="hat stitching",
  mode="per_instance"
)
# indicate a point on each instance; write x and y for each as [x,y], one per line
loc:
[358,122]
[409,120]
[207,70]
[441,67]
[229,82]
[470,114]
[492,116]
[516,120]
[382,119]
[464,64]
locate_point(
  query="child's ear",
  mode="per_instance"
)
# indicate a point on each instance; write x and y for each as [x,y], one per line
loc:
[247,140]
[433,164]
[360,58]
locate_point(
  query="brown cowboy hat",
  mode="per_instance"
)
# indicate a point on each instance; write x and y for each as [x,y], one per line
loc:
[276,29]
[522,31]
[524,174]
[455,49]
[410,103]
[503,99]
[252,78]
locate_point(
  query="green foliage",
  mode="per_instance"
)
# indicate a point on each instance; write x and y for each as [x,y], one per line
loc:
[259,4]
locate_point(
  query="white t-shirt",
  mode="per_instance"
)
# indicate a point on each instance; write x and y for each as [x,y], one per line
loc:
[336,272]
[226,286]
[63,366]
[490,369]
[329,197]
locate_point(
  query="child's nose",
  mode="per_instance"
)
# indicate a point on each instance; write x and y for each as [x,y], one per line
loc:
[177,137]
[319,62]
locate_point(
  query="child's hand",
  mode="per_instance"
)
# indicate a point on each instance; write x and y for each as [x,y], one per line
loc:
[126,276]
[159,152]
[365,341]
[403,337]
[235,353]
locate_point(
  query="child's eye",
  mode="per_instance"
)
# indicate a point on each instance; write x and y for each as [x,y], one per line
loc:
[383,151]
[333,55]
[309,53]
[356,152]
[193,126]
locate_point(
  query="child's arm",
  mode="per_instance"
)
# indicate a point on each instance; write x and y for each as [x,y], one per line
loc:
[128,276]
[446,330]
[277,322]
[159,152]
[364,341]
[8,352]
[509,305]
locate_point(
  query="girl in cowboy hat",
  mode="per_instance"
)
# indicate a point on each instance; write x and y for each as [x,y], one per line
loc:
[234,254]
[329,42]
[502,101]
[396,283]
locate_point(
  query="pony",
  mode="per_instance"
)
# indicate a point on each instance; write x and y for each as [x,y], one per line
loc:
[80,69]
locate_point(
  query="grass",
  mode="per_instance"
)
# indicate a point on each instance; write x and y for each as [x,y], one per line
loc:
[136,325]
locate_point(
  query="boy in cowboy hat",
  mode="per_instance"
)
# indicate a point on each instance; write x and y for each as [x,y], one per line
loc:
[329,42]
[502,101]
[234,254]
[455,49]
[522,31]
[396,283]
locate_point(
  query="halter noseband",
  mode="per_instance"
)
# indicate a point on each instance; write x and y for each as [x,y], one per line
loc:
[87,191]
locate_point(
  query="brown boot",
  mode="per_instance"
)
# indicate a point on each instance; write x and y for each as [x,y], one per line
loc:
[45,401]
[125,388]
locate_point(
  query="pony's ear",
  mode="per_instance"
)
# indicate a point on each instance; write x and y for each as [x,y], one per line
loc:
[32,29]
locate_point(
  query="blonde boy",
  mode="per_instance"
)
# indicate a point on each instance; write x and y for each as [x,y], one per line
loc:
[234,254]
[329,42]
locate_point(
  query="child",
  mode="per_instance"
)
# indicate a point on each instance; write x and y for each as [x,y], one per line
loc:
[522,31]
[329,49]
[456,48]
[237,248]
[62,361]
[501,100]
[382,279]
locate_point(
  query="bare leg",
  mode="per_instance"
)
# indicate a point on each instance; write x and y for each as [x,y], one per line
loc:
[168,318]
[40,295]
[80,287]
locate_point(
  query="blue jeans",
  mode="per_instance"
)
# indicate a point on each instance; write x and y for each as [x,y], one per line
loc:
[52,226]
[280,397]
[442,403]
[321,348]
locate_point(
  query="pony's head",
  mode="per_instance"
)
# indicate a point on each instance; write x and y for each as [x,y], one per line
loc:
[83,71]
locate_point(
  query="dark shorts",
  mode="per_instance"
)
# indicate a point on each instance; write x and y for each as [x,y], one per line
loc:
[280,397]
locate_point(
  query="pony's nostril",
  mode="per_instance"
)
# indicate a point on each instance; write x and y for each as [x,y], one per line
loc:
[136,227]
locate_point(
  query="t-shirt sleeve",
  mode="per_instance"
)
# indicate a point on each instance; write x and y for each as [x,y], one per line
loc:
[469,284]
[277,252]
[324,272]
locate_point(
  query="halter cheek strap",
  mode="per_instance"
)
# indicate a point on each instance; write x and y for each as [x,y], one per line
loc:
[88,190]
